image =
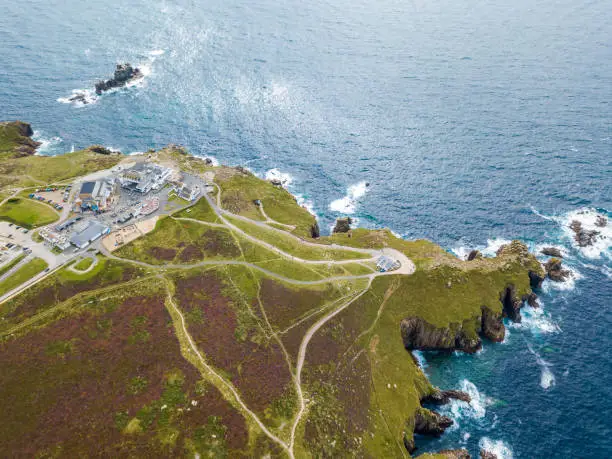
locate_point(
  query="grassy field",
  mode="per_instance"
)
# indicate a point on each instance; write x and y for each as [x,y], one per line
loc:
[83,264]
[24,273]
[6,268]
[27,213]
[293,245]
[201,210]
[181,242]
[239,190]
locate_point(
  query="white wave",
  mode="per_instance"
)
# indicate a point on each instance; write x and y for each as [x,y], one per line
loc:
[587,216]
[420,358]
[536,320]
[47,145]
[459,410]
[80,98]
[284,178]
[607,271]
[157,52]
[348,204]
[136,153]
[547,377]
[306,203]
[497,447]
[489,250]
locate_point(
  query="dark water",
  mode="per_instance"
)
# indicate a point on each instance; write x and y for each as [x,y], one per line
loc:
[471,122]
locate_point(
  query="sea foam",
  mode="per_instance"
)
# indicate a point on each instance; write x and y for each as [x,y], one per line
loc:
[497,447]
[489,250]
[547,377]
[48,145]
[283,178]
[348,204]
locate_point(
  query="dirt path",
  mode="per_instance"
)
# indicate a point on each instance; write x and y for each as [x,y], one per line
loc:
[227,385]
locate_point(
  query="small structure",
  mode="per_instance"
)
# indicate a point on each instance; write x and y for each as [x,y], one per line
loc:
[187,193]
[88,233]
[385,264]
[67,224]
[55,239]
[95,195]
[144,177]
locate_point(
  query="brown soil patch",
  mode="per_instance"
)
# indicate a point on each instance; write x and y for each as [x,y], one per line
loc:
[70,398]
[259,371]
[162,253]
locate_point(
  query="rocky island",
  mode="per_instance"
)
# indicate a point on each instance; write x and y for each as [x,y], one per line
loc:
[124,73]
[221,323]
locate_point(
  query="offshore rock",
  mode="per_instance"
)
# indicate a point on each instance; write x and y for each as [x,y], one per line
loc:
[551,252]
[474,254]
[124,73]
[343,225]
[554,270]
[601,221]
[442,397]
[582,236]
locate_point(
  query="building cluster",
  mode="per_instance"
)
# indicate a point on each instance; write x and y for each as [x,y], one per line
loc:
[124,193]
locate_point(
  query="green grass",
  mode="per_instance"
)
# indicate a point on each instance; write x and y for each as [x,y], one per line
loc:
[27,213]
[6,268]
[24,273]
[294,246]
[84,264]
[201,210]
[181,242]
[240,190]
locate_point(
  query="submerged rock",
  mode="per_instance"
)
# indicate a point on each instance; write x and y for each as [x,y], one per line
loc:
[554,270]
[124,73]
[343,225]
[551,252]
[582,236]
[601,221]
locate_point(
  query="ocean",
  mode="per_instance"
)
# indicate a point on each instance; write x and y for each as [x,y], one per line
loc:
[473,123]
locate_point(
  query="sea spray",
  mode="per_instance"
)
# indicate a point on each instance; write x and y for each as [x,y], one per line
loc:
[547,378]
[348,204]
[497,447]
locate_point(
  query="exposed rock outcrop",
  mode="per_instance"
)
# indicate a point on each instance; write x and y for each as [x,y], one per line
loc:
[21,136]
[554,270]
[551,252]
[315,232]
[484,454]
[100,150]
[601,221]
[442,397]
[427,422]
[343,225]
[474,254]
[421,335]
[492,325]
[455,454]
[124,73]
[536,279]
[583,236]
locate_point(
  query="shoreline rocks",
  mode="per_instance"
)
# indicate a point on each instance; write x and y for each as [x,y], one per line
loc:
[26,146]
[124,73]
[583,236]
[443,397]
[551,252]
[484,454]
[474,254]
[554,270]
[343,225]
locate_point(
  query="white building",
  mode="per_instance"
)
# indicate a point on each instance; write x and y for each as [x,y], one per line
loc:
[144,177]
[55,239]
[187,193]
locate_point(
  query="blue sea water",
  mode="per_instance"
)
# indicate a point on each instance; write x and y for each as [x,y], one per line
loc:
[473,122]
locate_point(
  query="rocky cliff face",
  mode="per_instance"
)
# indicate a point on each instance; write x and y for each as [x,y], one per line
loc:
[343,225]
[420,335]
[20,134]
